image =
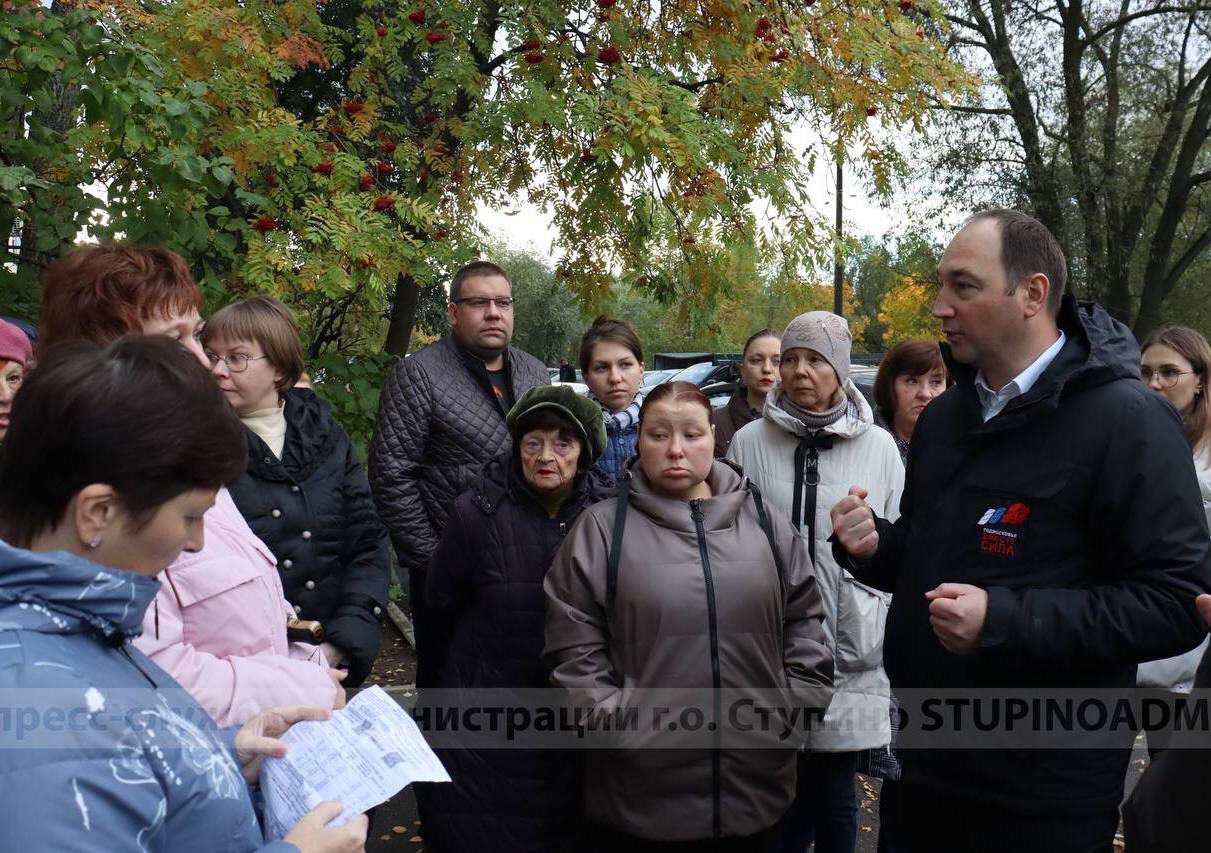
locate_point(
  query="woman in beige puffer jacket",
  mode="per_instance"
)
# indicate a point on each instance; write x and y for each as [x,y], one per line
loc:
[703,615]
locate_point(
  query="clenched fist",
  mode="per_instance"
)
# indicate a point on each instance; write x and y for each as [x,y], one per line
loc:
[957,612]
[854,524]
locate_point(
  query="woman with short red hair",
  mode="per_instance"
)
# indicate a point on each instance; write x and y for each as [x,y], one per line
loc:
[218,623]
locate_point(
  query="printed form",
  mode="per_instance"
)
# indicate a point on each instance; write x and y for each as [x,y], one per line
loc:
[370,750]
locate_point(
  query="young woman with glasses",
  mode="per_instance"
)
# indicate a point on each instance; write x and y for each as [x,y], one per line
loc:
[304,492]
[1174,363]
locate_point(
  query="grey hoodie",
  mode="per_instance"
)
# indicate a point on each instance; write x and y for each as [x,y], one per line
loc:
[699,617]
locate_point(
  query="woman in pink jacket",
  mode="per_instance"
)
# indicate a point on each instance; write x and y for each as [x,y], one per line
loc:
[218,623]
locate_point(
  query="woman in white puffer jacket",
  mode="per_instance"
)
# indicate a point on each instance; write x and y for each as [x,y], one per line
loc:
[815,439]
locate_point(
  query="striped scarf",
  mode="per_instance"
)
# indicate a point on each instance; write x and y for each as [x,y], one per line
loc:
[624,420]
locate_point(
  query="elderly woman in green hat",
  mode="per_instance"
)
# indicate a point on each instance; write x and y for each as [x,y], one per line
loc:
[485,589]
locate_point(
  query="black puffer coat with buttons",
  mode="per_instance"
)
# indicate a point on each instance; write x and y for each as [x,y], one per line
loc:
[313,509]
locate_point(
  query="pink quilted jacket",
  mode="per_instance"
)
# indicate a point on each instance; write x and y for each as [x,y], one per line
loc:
[218,626]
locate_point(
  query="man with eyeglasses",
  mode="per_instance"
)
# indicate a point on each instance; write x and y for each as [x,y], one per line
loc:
[1051,537]
[441,418]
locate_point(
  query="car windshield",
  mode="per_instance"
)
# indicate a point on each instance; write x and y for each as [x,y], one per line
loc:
[695,373]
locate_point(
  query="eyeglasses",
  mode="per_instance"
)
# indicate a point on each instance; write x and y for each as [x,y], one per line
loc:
[479,303]
[236,363]
[1166,376]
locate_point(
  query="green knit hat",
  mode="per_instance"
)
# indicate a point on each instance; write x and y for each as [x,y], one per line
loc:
[583,413]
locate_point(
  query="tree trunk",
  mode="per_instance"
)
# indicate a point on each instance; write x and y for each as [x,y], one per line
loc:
[403,315]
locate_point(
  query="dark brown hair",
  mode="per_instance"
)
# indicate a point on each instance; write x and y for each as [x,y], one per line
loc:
[475,269]
[907,358]
[605,330]
[756,336]
[673,392]
[102,292]
[1193,347]
[141,415]
[269,324]
[1028,247]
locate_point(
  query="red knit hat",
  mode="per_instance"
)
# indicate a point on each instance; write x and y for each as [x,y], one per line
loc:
[14,345]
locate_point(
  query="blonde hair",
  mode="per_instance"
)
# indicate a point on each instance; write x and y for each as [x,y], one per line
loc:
[266,322]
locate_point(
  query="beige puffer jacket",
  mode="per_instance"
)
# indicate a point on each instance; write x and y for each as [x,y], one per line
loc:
[861,454]
[695,629]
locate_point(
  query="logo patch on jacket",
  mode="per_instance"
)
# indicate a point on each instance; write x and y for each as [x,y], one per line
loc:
[1003,543]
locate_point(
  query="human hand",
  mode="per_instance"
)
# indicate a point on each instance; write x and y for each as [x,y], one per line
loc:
[337,676]
[1203,603]
[312,834]
[258,737]
[854,524]
[335,656]
[957,612]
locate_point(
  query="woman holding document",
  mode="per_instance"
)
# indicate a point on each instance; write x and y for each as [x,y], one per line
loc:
[113,456]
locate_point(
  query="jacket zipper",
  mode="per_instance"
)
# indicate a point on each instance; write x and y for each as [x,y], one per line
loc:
[126,654]
[697,515]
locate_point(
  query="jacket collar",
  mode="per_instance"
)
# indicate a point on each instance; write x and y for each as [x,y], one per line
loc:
[858,417]
[729,489]
[1099,349]
[310,434]
[479,372]
[61,593]
[738,408]
[501,479]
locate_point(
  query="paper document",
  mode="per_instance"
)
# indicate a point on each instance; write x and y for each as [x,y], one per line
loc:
[363,756]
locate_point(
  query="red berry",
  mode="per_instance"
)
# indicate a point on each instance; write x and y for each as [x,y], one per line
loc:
[587,155]
[871,112]
[607,4]
[780,56]
[530,44]
[353,107]
[272,180]
[385,168]
[389,146]
[905,5]
[265,224]
[763,25]
[565,36]
[430,117]
[769,38]
[535,56]
[441,235]
[435,37]
[610,55]
[920,32]
[365,182]
[324,168]
[384,202]
[604,17]
[417,16]
[382,31]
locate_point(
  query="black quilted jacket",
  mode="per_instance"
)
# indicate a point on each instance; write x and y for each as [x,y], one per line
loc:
[485,586]
[313,509]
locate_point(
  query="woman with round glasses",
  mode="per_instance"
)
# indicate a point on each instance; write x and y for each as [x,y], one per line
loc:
[1174,364]
[304,492]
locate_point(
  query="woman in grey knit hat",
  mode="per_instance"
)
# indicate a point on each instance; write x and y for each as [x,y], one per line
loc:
[815,439]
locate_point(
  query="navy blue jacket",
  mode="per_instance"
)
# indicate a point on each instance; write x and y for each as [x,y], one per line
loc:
[1078,511]
[485,586]
[313,509]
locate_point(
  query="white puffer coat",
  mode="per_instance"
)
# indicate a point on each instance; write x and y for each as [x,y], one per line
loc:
[861,454]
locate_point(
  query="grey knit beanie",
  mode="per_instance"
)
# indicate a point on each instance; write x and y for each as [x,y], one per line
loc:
[824,332]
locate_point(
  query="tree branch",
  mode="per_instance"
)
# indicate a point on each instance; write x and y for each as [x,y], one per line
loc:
[1143,13]
[701,84]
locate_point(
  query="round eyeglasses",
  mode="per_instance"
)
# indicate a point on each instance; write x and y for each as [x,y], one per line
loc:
[236,363]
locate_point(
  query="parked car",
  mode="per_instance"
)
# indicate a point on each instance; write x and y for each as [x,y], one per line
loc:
[708,373]
[652,378]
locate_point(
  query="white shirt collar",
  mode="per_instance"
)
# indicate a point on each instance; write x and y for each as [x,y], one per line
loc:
[993,402]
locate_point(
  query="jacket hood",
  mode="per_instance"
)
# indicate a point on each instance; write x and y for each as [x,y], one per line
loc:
[729,488]
[1099,349]
[858,417]
[60,593]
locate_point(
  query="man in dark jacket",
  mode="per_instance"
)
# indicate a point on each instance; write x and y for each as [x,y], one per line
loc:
[440,419]
[1051,536]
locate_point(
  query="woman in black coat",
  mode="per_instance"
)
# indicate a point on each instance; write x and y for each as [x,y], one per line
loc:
[304,493]
[485,585]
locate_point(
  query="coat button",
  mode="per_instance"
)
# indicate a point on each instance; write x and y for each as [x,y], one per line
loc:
[306,534]
[298,609]
[268,460]
[378,611]
[310,584]
[287,564]
[277,513]
[294,489]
